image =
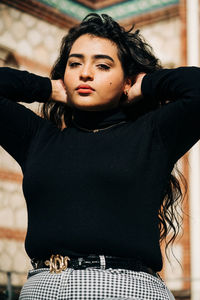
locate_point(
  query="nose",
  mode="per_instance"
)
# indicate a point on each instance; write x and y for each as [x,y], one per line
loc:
[86,73]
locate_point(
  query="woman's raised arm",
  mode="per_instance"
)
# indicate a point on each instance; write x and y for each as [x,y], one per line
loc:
[18,124]
[178,121]
[22,86]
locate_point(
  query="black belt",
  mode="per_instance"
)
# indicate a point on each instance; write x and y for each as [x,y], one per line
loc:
[58,263]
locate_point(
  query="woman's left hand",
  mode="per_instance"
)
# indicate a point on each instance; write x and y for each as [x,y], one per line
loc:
[135,92]
[58,91]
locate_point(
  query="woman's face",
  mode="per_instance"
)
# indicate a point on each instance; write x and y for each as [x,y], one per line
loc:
[94,77]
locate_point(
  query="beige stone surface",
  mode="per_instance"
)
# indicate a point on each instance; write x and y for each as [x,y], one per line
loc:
[13,213]
[3,278]
[14,259]
[5,261]
[1,245]
[165,38]
[20,217]
[29,36]
[34,37]
[18,263]
[1,26]
[7,40]
[27,19]
[11,248]
[18,30]
[49,42]
[42,27]
[16,200]
[14,13]
[6,217]
[18,279]
[24,48]
[173,270]
[40,52]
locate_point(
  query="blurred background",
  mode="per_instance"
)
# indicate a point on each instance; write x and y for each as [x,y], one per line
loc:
[30,36]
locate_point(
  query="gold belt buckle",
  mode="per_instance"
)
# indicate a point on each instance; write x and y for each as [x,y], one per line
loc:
[57,263]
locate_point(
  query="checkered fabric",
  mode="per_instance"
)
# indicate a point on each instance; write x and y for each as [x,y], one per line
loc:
[92,284]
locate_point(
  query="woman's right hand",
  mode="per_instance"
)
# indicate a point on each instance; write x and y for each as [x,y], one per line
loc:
[58,91]
[134,93]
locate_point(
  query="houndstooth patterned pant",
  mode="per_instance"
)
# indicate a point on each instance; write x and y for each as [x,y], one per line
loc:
[94,284]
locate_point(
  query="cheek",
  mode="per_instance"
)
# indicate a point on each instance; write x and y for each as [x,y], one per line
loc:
[115,81]
[114,86]
[111,90]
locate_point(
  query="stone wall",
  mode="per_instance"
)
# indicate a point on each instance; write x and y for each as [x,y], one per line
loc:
[28,36]
[165,38]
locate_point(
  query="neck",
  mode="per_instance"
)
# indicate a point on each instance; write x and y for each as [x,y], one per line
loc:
[98,119]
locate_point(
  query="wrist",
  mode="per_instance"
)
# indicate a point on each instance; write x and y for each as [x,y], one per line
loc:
[53,89]
[58,91]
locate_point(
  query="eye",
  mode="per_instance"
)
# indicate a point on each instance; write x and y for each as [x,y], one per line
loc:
[103,67]
[74,64]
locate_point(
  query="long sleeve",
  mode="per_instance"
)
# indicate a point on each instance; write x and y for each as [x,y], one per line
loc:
[19,124]
[178,119]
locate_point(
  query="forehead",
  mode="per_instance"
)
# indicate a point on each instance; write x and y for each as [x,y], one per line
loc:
[91,45]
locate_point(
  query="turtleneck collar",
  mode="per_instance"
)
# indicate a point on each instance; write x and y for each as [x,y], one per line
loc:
[98,119]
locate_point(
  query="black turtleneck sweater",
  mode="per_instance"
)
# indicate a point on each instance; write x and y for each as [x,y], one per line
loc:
[98,193]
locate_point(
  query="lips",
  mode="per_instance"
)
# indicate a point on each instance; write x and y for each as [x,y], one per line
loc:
[84,89]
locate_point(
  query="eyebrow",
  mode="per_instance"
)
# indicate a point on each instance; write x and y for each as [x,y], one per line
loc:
[97,56]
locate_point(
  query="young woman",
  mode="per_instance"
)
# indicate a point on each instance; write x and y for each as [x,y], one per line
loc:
[97,167]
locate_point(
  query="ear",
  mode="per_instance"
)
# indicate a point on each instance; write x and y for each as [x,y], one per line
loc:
[127,85]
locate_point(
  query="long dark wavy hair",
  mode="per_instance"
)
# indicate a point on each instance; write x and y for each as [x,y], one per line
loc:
[136,56]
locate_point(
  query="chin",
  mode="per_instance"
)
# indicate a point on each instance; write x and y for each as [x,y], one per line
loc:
[91,106]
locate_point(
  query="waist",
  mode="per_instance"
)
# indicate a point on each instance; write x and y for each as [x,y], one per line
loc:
[58,263]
